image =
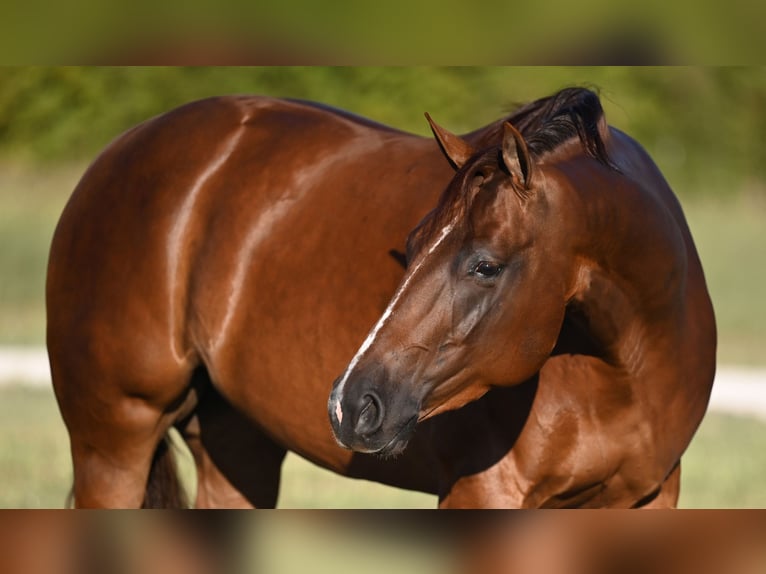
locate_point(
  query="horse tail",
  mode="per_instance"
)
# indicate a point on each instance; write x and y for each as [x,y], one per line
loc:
[164,488]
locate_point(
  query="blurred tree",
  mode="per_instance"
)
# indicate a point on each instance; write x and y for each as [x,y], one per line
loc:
[704,126]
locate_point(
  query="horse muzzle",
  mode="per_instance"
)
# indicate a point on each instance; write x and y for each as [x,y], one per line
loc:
[366,418]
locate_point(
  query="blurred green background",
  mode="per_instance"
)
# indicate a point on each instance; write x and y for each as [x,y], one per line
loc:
[705,128]
[346,32]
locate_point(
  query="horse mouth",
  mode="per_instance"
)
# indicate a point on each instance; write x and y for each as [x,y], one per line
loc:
[399,441]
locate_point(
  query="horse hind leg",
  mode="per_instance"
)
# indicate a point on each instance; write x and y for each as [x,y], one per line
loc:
[112,472]
[214,490]
[238,465]
[117,436]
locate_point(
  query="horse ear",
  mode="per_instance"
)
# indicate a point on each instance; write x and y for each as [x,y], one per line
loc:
[457,150]
[516,155]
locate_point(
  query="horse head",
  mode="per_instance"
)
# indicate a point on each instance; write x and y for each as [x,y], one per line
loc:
[481,303]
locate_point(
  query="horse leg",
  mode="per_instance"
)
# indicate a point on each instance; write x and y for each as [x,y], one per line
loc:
[487,489]
[504,467]
[112,470]
[213,489]
[117,409]
[238,466]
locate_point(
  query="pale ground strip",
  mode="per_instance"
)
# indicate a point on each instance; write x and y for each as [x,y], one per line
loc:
[738,390]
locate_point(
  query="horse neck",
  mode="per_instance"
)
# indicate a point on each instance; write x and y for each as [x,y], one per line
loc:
[630,267]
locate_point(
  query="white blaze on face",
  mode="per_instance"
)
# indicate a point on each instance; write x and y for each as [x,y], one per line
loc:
[339,412]
[387,314]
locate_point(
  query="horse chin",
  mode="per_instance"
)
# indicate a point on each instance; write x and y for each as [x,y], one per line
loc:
[397,445]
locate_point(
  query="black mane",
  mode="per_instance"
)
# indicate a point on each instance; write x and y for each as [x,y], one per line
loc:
[549,122]
[545,124]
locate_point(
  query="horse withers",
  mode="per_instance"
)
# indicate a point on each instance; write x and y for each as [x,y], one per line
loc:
[219,265]
[559,256]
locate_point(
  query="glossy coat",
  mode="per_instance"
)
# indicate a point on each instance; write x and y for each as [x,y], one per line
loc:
[237,250]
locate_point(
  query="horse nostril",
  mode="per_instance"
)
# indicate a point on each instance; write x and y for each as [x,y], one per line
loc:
[370,415]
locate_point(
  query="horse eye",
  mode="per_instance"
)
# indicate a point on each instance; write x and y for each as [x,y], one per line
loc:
[487,269]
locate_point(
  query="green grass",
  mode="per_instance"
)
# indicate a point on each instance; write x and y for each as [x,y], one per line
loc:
[35,467]
[31,201]
[731,239]
[723,468]
[725,465]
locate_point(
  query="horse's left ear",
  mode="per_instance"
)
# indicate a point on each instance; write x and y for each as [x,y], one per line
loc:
[516,156]
[456,149]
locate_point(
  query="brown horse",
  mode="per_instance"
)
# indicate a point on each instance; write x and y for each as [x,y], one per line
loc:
[560,255]
[236,250]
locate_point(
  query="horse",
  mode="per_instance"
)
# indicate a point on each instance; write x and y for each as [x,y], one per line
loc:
[560,255]
[217,266]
